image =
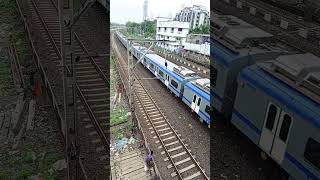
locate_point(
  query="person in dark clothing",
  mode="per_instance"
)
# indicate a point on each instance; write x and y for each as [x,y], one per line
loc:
[149,161]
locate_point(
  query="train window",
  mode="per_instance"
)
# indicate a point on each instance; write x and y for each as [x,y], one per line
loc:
[161,73]
[199,101]
[207,109]
[312,152]
[152,65]
[283,135]
[174,84]
[194,98]
[272,113]
[214,76]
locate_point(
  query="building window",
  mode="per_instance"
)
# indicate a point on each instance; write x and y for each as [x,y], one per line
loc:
[174,83]
[158,28]
[172,29]
[312,152]
[179,29]
[165,29]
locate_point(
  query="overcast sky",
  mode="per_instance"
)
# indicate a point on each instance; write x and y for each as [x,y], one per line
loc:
[122,11]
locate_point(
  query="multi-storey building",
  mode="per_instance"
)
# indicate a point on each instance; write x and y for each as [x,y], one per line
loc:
[175,32]
[196,15]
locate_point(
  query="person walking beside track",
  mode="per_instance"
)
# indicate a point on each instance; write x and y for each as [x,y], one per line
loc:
[149,162]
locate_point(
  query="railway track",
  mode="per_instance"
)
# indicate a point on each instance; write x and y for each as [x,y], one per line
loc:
[16,70]
[91,83]
[290,35]
[201,69]
[181,162]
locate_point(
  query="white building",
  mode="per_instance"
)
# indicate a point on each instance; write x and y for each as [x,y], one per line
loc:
[173,31]
[196,15]
[199,43]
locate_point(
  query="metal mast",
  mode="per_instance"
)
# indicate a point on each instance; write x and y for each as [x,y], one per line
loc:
[65,11]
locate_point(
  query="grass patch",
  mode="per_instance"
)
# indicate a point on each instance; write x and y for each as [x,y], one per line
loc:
[118,116]
[5,77]
[11,28]
[23,165]
[118,133]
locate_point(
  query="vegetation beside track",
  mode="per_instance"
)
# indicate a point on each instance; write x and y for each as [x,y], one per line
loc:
[33,157]
[119,122]
[11,29]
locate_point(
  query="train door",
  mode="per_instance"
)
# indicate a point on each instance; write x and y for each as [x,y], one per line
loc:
[281,138]
[275,130]
[195,105]
[166,82]
[156,71]
[197,108]
[148,64]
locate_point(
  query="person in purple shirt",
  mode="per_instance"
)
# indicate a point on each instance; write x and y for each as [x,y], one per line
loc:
[149,161]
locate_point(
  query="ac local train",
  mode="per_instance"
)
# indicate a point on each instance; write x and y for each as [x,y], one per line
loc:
[193,90]
[270,92]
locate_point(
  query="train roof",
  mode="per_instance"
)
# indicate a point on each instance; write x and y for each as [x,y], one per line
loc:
[201,86]
[237,30]
[287,96]
[300,71]
[161,61]
[183,72]
[142,49]
[234,38]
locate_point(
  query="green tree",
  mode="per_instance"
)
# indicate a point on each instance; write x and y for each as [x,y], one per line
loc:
[148,27]
[203,29]
[133,27]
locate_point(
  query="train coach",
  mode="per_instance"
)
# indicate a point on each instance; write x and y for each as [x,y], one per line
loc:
[179,80]
[196,95]
[251,88]
[277,107]
[234,46]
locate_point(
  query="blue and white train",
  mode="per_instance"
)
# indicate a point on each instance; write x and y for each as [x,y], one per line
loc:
[193,90]
[270,92]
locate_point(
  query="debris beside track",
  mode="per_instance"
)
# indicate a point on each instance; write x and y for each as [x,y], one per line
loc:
[29,136]
[127,145]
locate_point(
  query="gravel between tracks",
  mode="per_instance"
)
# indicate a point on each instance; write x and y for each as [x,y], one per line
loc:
[230,156]
[195,134]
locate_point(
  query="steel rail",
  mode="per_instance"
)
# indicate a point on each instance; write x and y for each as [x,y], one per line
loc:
[157,133]
[105,140]
[93,62]
[42,71]
[135,115]
[14,57]
[280,14]
[177,136]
